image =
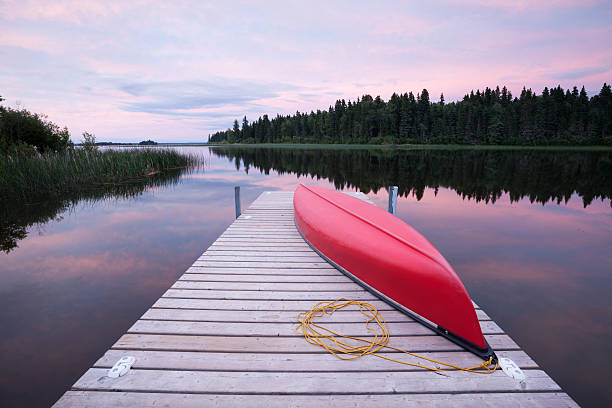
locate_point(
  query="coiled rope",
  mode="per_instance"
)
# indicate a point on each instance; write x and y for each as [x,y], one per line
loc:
[335,343]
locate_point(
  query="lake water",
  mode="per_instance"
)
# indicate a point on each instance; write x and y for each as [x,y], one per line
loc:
[528,231]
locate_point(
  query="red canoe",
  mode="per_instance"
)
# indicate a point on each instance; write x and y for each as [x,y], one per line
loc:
[390,258]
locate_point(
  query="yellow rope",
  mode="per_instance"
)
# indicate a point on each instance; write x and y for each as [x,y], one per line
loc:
[333,342]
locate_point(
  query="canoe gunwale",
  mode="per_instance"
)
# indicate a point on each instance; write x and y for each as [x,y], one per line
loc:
[484,353]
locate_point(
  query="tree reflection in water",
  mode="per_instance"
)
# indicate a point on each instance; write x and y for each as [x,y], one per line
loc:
[16,217]
[477,174]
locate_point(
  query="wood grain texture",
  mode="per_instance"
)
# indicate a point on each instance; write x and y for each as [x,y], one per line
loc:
[210,277]
[317,296]
[262,264]
[273,305]
[91,399]
[283,329]
[272,286]
[412,382]
[224,270]
[313,362]
[254,344]
[249,316]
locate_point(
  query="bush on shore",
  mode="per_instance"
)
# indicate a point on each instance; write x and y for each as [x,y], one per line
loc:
[21,127]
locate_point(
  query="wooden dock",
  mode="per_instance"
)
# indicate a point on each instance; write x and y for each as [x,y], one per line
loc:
[223,336]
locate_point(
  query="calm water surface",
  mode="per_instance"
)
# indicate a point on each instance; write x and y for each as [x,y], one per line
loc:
[529,233]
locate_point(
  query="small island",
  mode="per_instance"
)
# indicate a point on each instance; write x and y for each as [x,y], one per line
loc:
[148,143]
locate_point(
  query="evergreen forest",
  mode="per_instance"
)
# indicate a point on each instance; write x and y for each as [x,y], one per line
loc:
[489,117]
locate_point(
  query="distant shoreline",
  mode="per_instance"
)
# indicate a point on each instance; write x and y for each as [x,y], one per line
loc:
[145,145]
[411,146]
[371,146]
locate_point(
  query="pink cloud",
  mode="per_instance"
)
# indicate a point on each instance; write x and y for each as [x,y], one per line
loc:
[527,5]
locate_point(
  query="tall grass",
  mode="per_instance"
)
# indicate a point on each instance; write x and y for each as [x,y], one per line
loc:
[27,176]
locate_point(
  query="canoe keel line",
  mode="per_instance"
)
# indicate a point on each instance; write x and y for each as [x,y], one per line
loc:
[391,260]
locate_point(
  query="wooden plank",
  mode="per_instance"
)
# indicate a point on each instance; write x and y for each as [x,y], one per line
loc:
[250,215]
[273,207]
[254,230]
[261,231]
[260,242]
[314,297]
[253,344]
[263,206]
[260,258]
[245,249]
[292,305]
[288,219]
[283,329]
[299,383]
[274,210]
[269,220]
[287,305]
[91,399]
[253,240]
[209,277]
[305,253]
[297,305]
[328,271]
[258,226]
[267,265]
[341,316]
[258,246]
[266,225]
[272,286]
[314,362]
[261,234]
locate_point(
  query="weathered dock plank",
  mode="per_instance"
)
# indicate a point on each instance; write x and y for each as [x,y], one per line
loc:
[223,335]
[248,316]
[263,344]
[181,360]
[280,329]
[408,382]
[468,400]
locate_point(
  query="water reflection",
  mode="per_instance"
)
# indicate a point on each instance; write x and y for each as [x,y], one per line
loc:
[481,175]
[17,217]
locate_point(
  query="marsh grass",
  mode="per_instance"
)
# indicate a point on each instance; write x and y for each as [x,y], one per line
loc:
[30,176]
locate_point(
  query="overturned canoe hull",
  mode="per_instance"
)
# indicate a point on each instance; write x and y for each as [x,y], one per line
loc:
[391,259]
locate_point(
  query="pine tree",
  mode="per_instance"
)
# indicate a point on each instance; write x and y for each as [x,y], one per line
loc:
[491,116]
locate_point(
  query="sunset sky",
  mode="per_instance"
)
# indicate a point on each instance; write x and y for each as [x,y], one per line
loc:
[176,71]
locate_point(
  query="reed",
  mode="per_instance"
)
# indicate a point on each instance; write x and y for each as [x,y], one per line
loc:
[28,176]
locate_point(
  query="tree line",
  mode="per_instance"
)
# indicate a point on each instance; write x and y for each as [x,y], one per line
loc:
[490,117]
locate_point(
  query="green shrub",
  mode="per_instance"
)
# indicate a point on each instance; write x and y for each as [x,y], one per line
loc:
[21,126]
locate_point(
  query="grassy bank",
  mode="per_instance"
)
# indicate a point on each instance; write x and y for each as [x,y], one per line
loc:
[29,176]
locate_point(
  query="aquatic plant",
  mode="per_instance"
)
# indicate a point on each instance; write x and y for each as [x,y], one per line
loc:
[28,175]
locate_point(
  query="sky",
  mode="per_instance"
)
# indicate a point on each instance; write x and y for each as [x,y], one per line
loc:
[177,71]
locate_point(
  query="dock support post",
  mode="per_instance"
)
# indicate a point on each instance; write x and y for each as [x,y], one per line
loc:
[393,200]
[237,200]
